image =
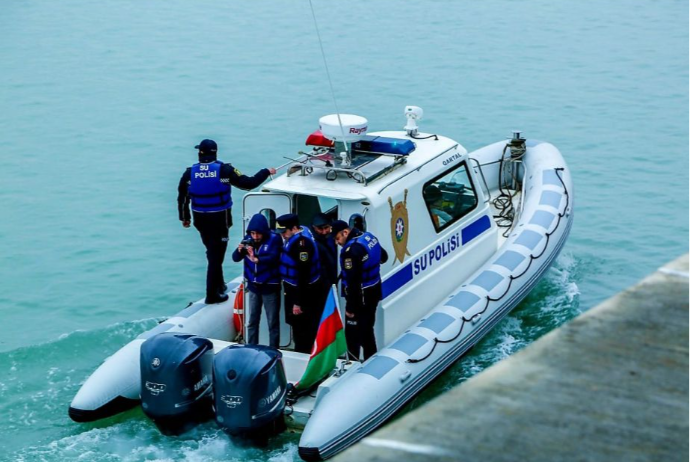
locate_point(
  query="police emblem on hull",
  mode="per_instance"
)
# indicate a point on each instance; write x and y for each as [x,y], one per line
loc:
[399,223]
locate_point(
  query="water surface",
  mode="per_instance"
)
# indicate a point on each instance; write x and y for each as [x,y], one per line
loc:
[102,102]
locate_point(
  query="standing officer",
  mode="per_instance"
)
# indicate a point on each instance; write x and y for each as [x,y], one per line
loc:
[301,272]
[260,251]
[207,184]
[360,262]
[328,250]
[328,256]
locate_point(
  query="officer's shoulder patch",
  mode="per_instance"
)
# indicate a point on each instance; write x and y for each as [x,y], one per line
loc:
[348,263]
[237,172]
[303,256]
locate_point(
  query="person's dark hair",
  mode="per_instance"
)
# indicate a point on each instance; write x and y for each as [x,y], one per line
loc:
[432,193]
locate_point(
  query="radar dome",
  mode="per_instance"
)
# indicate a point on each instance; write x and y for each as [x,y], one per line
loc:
[353,127]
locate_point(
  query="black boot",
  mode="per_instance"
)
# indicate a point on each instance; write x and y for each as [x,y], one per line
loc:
[218,298]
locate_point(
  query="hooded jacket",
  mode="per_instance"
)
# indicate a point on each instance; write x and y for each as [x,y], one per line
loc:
[262,277]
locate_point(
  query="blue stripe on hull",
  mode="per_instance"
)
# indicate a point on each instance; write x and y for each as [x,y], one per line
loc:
[475,229]
[396,281]
[397,401]
[404,275]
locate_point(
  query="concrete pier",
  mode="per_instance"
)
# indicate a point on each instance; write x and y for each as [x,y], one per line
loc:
[610,385]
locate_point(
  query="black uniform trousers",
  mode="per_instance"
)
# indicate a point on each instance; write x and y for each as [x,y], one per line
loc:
[213,228]
[359,331]
[305,325]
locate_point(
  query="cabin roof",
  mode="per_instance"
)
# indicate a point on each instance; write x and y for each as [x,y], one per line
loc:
[347,188]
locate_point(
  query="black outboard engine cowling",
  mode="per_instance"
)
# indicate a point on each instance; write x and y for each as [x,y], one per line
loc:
[250,389]
[176,381]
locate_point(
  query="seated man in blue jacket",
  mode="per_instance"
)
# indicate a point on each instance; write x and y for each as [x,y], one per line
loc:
[260,250]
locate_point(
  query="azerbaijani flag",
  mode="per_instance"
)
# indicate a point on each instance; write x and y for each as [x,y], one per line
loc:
[328,346]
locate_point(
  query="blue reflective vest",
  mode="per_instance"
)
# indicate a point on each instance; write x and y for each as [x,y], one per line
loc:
[371,266]
[207,192]
[264,272]
[288,266]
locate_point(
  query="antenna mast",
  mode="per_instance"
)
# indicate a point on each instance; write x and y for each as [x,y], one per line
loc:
[328,74]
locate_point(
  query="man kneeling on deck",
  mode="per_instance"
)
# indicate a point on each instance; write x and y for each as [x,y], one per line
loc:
[260,250]
[360,262]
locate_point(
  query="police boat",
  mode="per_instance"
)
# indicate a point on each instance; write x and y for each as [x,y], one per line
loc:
[469,235]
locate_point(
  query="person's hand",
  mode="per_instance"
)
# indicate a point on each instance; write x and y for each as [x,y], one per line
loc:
[349,315]
[240,247]
[250,253]
[296,309]
[186,223]
[271,170]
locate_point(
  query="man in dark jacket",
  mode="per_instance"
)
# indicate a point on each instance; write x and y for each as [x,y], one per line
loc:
[360,261]
[260,249]
[300,269]
[328,256]
[207,186]
[328,250]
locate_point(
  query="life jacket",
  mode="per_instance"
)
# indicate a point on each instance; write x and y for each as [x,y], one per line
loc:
[264,272]
[207,192]
[371,267]
[288,266]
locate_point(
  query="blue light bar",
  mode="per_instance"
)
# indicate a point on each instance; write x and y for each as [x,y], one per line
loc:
[384,145]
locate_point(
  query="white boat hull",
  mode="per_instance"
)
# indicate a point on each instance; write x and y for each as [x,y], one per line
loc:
[115,386]
[461,299]
[368,395]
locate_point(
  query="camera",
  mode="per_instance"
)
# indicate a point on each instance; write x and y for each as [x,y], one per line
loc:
[247,242]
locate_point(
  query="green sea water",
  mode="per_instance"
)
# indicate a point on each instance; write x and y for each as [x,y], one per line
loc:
[101,104]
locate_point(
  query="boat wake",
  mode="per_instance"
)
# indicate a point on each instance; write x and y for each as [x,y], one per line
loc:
[38,382]
[138,439]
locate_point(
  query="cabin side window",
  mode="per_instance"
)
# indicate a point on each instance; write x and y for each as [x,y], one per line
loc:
[449,197]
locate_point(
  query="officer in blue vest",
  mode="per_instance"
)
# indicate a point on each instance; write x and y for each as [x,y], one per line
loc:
[301,272]
[360,262]
[260,249]
[207,186]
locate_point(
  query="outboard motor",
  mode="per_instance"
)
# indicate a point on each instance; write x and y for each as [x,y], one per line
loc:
[176,381]
[250,390]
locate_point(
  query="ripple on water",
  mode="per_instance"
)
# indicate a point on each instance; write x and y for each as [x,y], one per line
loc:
[138,439]
[39,381]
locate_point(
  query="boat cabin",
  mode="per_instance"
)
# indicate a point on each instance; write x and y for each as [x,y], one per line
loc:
[418,193]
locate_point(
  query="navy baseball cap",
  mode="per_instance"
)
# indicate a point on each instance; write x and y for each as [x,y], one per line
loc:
[339,225]
[287,221]
[207,146]
[320,220]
